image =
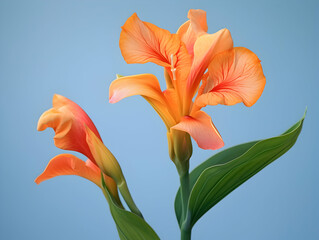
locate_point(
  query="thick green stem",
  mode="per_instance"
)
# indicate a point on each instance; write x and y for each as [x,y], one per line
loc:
[180,153]
[185,192]
[186,234]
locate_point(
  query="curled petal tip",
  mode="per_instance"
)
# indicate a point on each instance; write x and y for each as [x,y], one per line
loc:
[37,181]
[112,100]
[67,120]
[114,96]
[59,100]
[57,96]
[39,127]
[46,119]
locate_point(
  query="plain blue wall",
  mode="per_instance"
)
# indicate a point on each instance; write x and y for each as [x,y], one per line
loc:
[71,48]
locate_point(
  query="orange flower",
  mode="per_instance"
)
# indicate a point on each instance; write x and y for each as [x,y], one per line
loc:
[75,131]
[70,124]
[234,75]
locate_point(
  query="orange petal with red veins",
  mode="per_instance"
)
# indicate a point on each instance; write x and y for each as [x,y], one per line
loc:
[205,48]
[193,28]
[148,87]
[205,84]
[235,76]
[201,128]
[182,65]
[142,42]
[68,120]
[68,164]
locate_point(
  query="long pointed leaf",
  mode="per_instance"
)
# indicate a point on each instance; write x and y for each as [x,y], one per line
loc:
[221,157]
[222,173]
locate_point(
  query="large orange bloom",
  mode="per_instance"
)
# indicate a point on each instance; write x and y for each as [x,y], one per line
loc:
[234,75]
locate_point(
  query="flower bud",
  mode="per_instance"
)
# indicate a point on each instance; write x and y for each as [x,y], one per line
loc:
[103,157]
[180,148]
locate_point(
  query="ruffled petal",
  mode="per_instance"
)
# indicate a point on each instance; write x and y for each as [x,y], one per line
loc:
[193,28]
[68,164]
[205,48]
[142,42]
[234,76]
[201,128]
[60,101]
[148,87]
[68,120]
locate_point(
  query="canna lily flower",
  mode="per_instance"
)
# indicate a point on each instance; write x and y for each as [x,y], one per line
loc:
[200,69]
[70,124]
[75,131]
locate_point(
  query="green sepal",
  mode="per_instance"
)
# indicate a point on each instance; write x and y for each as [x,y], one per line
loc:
[129,225]
[215,178]
[119,76]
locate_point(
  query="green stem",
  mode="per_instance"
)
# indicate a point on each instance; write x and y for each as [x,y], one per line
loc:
[185,192]
[106,192]
[186,234]
[128,198]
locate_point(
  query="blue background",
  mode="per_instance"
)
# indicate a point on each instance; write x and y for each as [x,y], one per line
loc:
[71,48]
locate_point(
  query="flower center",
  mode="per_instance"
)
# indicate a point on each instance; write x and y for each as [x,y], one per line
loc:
[173,69]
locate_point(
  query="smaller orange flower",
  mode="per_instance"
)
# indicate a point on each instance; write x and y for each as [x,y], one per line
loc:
[71,125]
[75,131]
[68,121]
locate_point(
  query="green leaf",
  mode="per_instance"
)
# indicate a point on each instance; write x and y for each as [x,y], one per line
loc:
[129,225]
[215,178]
